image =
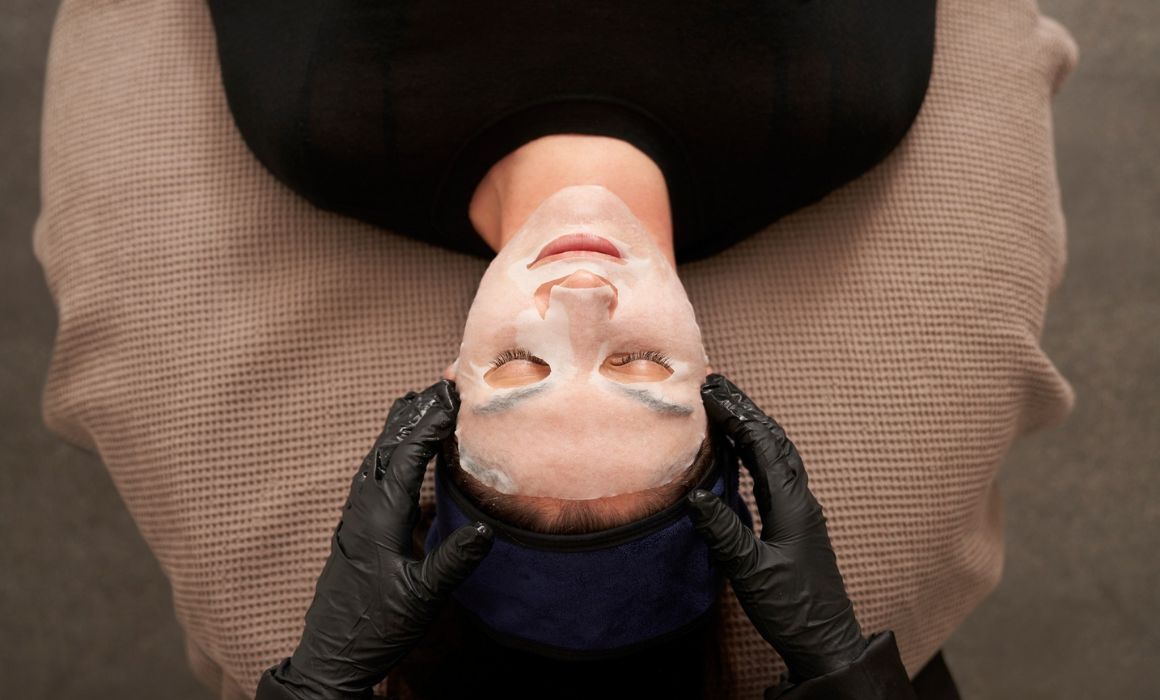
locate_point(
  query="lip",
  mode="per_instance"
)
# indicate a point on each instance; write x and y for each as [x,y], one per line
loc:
[577,245]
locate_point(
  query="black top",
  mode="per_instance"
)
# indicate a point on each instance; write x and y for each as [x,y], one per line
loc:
[392,112]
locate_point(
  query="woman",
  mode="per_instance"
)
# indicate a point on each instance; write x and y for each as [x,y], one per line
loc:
[452,124]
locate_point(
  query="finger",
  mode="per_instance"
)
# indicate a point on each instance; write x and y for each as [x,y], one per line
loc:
[401,404]
[402,471]
[430,421]
[452,562]
[790,509]
[733,545]
[780,483]
[388,437]
[727,406]
[400,419]
[404,414]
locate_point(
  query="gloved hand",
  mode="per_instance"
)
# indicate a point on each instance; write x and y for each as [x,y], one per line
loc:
[787,581]
[373,602]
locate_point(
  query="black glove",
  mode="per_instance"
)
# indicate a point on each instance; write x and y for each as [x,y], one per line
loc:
[788,581]
[372,602]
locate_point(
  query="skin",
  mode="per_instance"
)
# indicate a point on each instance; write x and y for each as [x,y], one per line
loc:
[516,185]
[604,424]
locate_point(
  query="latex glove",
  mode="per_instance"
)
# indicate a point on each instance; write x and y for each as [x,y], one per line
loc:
[373,602]
[787,581]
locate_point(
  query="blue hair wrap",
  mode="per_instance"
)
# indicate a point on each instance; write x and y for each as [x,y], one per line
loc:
[596,594]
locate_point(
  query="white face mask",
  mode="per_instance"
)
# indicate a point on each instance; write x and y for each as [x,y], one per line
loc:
[562,370]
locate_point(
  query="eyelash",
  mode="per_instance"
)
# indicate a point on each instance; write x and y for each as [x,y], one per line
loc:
[651,355]
[515,354]
[521,354]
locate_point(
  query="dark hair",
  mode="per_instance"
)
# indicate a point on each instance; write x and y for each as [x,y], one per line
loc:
[562,516]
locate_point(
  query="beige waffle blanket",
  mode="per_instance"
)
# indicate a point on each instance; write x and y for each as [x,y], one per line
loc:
[231,352]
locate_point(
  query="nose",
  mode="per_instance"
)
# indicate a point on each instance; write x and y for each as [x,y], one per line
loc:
[580,280]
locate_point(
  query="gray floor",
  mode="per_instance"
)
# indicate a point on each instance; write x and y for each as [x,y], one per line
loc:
[85,610]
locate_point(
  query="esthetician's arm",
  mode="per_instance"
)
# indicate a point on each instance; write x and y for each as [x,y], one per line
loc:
[372,602]
[788,580]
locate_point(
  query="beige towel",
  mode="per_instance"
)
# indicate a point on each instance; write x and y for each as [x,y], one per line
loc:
[231,352]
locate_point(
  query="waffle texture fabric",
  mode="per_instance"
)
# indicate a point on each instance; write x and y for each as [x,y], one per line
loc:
[231,351]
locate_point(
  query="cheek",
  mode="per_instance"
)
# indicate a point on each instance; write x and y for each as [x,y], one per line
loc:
[487,331]
[662,314]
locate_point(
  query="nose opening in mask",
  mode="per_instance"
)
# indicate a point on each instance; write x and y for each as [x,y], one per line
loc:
[601,287]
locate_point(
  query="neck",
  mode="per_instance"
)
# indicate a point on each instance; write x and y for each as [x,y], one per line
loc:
[516,185]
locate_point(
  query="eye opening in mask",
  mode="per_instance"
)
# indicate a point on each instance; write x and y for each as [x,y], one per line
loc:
[638,366]
[528,369]
[655,366]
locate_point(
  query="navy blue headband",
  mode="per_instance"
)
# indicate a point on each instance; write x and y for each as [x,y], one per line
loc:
[597,594]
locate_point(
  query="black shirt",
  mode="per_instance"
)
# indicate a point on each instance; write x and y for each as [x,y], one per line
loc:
[392,112]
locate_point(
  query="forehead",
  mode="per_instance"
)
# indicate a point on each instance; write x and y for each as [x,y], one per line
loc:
[577,441]
[647,397]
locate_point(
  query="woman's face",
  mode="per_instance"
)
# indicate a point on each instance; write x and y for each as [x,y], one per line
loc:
[580,371]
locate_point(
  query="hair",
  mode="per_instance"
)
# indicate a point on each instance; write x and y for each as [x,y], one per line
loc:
[563,516]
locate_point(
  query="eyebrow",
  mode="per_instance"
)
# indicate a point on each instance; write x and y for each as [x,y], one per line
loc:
[656,404]
[503,403]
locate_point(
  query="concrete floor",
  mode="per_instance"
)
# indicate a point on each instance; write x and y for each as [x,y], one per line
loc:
[85,610]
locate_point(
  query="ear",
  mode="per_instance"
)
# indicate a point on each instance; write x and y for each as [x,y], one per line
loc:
[449,372]
[708,370]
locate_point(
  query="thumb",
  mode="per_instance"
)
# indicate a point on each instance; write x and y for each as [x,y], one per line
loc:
[454,560]
[734,546]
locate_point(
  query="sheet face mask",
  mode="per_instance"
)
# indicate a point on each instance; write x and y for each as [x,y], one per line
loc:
[579,403]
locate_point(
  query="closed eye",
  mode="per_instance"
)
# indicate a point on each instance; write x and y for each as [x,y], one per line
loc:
[516,367]
[638,366]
